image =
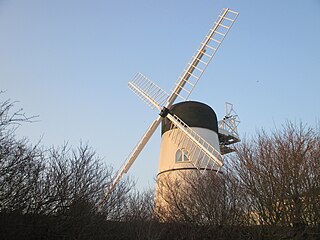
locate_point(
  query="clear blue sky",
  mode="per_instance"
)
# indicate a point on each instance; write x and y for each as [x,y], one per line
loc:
[70,61]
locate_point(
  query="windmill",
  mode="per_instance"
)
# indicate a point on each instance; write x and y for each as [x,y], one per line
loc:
[199,147]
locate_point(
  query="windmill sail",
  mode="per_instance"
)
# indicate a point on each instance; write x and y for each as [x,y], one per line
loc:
[203,55]
[135,153]
[200,153]
[148,91]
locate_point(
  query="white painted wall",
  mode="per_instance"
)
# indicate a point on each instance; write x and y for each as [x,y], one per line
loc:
[168,150]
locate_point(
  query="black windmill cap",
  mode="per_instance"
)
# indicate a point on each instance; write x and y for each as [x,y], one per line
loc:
[194,114]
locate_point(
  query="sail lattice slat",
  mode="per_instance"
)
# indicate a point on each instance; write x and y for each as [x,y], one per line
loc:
[203,55]
[148,91]
[199,152]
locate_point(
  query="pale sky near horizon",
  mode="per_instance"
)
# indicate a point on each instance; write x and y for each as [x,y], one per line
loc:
[69,62]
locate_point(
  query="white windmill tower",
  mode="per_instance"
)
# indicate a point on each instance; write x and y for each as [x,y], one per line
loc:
[190,130]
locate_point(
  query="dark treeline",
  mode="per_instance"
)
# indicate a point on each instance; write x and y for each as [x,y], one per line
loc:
[270,189]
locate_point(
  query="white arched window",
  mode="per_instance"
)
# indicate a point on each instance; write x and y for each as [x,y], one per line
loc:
[182,155]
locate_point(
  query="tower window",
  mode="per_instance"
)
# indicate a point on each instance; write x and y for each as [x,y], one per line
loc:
[182,156]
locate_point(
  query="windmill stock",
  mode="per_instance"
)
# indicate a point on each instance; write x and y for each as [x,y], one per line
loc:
[200,147]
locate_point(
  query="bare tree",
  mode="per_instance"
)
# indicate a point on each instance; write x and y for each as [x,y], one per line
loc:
[280,175]
[62,182]
[20,163]
[140,206]
[201,199]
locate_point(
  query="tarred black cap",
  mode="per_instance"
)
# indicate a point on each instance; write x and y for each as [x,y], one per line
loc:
[194,114]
